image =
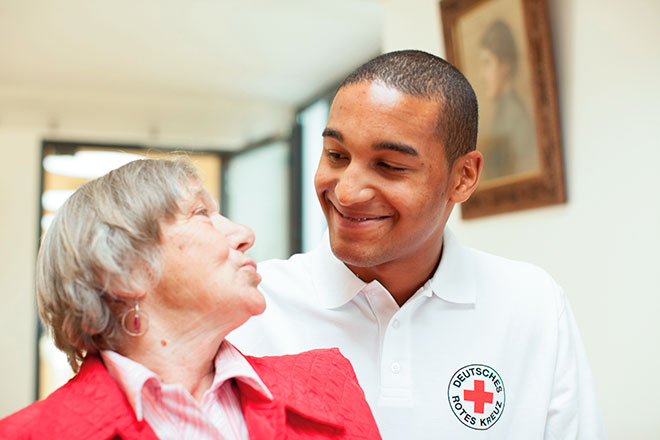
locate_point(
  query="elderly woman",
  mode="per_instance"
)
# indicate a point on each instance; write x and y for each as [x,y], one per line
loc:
[140,279]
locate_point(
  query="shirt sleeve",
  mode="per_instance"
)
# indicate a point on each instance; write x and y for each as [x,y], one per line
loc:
[573,412]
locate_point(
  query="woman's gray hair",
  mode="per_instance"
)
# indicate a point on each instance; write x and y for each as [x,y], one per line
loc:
[103,241]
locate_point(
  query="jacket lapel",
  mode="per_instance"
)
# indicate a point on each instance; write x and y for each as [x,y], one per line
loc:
[264,418]
[300,397]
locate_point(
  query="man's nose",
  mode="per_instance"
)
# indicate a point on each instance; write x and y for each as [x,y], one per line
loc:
[353,186]
[239,237]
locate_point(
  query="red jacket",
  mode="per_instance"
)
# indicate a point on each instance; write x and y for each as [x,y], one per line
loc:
[315,395]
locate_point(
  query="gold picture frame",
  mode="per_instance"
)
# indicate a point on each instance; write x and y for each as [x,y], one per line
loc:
[504,49]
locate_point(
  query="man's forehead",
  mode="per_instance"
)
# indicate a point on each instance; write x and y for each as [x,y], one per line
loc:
[398,120]
[373,90]
[372,99]
[382,96]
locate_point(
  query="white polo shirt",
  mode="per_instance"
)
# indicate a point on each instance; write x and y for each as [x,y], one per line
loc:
[487,348]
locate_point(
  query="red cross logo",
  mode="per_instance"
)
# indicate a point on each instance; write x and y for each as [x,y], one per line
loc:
[479,396]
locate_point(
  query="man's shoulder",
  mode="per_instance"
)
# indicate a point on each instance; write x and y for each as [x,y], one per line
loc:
[521,282]
[499,267]
[287,279]
[486,265]
[293,294]
[292,266]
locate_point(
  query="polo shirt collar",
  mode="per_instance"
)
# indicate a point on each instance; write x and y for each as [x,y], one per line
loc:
[454,279]
[335,284]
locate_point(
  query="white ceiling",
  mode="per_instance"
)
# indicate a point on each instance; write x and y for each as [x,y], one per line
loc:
[284,50]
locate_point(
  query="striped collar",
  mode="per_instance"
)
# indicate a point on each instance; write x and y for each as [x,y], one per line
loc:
[134,378]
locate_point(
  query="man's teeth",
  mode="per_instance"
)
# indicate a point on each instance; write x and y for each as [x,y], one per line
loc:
[361,219]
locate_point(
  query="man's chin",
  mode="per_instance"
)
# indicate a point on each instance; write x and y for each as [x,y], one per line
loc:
[356,255]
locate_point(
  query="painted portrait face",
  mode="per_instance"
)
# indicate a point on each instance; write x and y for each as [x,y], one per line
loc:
[496,74]
[383,177]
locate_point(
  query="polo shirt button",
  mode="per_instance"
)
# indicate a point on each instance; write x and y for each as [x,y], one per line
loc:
[396,368]
[395,323]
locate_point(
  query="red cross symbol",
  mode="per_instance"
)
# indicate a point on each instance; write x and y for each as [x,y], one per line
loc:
[479,396]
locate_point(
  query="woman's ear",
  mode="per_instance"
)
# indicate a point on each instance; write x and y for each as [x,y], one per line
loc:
[128,295]
[466,171]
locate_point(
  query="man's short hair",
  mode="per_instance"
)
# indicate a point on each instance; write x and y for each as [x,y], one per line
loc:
[421,74]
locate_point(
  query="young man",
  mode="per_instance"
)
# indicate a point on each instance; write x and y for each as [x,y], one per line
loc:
[446,341]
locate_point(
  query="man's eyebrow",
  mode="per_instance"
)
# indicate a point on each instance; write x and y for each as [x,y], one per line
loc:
[332,133]
[400,148]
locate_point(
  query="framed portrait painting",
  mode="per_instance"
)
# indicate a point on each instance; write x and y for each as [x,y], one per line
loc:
[503,47]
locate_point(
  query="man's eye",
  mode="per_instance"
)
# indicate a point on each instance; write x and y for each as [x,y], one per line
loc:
[334,156]
[390,167]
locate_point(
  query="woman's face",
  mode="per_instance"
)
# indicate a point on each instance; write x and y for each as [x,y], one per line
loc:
[206,275]
[495,74]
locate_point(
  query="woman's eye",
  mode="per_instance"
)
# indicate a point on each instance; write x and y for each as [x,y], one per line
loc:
[202,211]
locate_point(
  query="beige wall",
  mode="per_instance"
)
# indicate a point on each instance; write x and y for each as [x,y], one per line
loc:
[19,192]
[28,115]
[602,245]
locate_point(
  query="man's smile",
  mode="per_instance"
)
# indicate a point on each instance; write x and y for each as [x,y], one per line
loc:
[356,216]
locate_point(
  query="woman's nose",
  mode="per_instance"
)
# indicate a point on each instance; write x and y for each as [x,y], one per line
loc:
[239,237]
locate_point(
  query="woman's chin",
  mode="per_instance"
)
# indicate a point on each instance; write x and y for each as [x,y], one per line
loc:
[258,306]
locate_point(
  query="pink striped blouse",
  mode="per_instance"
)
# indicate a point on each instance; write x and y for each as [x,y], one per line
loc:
[173,413]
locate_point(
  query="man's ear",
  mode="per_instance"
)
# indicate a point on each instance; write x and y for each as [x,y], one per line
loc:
[465,175]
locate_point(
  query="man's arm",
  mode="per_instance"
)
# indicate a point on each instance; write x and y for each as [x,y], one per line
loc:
[573,412]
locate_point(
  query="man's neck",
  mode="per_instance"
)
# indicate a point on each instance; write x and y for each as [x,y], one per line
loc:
[401,278]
